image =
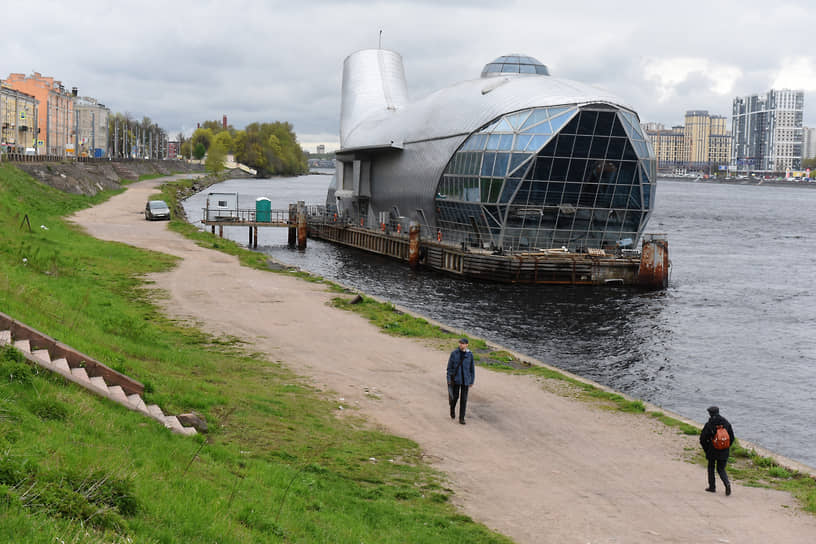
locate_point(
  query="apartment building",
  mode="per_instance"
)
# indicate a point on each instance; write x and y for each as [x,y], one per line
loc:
[808,143]
[18,120]
[668,144]
[768,135]
[55,111]
[91,127]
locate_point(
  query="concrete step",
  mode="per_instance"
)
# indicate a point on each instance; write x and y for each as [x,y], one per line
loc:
[172,423]
[99,383]
[116,393]
[23,345]
[42,355]
[61,364]
[155,411]
[138,402]
[80,374]
[5,337]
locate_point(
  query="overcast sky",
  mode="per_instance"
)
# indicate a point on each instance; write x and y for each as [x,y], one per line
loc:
[181,62]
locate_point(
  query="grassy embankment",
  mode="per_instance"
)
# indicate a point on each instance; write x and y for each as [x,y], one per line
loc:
[277,466]
[747,466]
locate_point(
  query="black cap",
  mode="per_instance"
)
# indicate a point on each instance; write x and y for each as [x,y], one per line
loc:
[713,410]
[463,340]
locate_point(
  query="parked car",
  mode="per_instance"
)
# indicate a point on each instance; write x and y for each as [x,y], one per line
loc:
[157,210]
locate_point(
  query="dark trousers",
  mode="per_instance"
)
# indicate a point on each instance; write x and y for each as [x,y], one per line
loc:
[457,392]
[720,464]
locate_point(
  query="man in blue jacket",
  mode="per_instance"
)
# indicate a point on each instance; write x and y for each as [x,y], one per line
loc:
[461,372]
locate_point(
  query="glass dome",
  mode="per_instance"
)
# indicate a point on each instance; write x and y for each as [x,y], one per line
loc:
[514,64]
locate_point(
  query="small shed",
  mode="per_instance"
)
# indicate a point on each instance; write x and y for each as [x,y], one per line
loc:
[221,206]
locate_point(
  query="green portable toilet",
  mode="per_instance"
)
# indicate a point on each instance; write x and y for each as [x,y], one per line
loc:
[263,210]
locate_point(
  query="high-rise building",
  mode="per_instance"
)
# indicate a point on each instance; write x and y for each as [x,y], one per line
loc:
[91,127]
[18,120]
[768,131]
[321,149]
[706,140]
[55,116]
[808,143]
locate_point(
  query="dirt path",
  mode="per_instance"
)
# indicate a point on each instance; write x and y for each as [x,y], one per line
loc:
[532,465]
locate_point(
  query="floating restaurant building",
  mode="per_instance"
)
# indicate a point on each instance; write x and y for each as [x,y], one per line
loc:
[513,164]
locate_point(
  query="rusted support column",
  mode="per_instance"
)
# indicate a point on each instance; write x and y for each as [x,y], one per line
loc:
[413,245]
[213,228]
[249,244]
[220,231]
[301,224]
[292,224]
[255,241]
[653,272]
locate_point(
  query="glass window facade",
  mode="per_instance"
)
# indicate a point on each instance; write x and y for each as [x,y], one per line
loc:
[550,177]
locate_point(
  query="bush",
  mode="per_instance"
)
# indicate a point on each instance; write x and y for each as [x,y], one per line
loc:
[48,409]
[13,366]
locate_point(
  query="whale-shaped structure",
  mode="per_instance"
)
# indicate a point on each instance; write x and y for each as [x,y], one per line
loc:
[515,160]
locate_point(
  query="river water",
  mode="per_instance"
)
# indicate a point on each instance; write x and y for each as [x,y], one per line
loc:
[735,328]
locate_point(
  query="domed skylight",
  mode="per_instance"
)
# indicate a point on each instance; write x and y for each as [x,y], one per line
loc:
[514,64]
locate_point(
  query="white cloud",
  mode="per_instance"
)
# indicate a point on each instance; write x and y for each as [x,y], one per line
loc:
[669,73]
[796,73]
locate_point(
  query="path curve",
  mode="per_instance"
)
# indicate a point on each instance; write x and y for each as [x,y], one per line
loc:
[535,466]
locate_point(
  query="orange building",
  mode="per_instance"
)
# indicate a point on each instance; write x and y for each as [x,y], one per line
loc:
[55,115]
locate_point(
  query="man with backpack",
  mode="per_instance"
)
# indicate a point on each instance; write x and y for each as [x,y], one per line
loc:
[460,375]
[716,439]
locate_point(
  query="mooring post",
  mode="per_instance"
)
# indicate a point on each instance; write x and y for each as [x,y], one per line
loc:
[301,224]
[220,231]
[249,244]
[213,228]
[413,245]
[255,241]
[292,224]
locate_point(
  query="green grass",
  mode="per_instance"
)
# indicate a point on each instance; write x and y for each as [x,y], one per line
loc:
[277,466]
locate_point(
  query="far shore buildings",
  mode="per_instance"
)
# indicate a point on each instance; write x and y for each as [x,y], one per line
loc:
[702,144]
[18,120]
[64,124]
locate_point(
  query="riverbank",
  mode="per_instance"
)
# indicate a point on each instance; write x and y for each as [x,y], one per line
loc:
[531,463]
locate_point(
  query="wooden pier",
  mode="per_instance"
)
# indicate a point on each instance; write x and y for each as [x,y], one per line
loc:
[649,268]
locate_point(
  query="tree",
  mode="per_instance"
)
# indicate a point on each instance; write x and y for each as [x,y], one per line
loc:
[224,139]
[203,136]
[215,158]
[199,151]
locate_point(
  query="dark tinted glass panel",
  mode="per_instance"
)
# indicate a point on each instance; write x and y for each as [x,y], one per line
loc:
[571,193]
[510,186]
[616,148]
[604,197]
[563,146]
[554,192]
[550,149]
[603,125]
[571,127]
[586,122]
[629,152]
[627,174]
[588,193]
[647,195]
[576,170]
[617,128]
[610,172]
[597,149]
[542,168]
[581,148]
[559,169]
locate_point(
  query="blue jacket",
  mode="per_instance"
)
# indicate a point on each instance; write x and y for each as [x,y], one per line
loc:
[463,373]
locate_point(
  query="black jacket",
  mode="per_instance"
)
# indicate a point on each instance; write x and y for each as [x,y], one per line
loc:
[707,435]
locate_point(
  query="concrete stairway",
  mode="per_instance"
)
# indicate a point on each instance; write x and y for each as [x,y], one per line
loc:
[84,371]
[124,171]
